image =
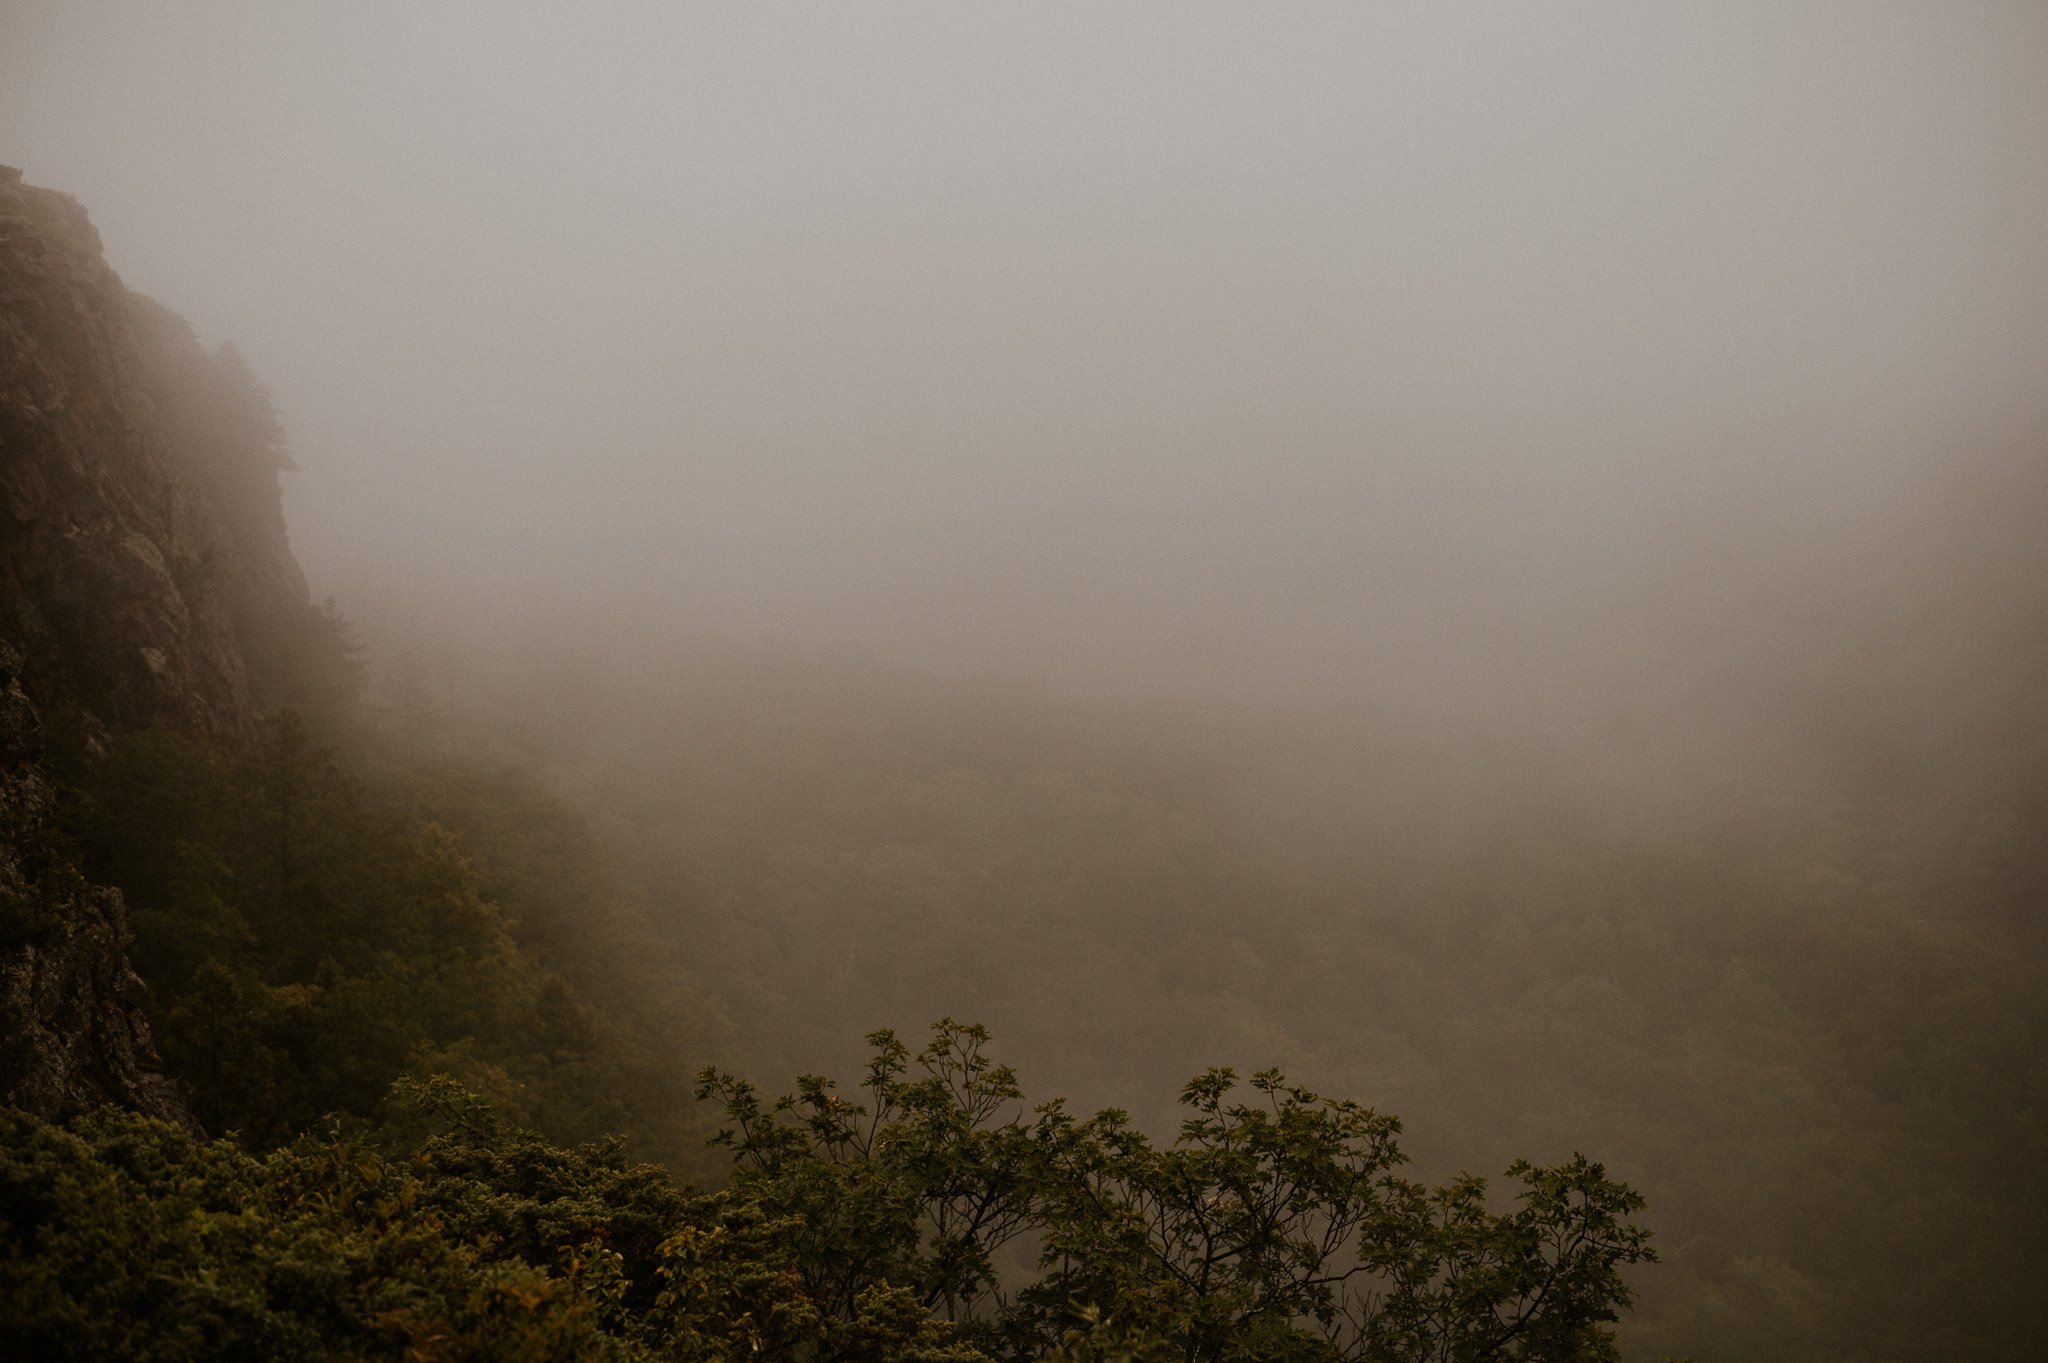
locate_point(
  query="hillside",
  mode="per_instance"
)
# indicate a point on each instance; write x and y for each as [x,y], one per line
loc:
[324,1038]
[145,579]
[1757,920]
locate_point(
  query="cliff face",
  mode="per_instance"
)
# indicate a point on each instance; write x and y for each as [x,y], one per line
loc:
[72,1032]
[145,579]
[144,572]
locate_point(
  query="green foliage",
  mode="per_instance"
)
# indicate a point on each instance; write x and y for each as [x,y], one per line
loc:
[309,936]
[1789,986]
[1536,1283]
[125,1239]
[1276,1228]
[1273,1228]
[622,1005]
[852,1232]
[918,1188]
[1818,1051]
[1256,1217]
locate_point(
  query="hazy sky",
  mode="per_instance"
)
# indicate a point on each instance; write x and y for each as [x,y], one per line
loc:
[1221,346]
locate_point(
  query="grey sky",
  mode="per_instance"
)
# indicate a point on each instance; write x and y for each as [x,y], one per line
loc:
[1235,347]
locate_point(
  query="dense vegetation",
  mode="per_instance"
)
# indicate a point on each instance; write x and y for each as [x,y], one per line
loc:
[1274,1227]
[1782,971]
[310,934]
[1764,932]
[410,1042]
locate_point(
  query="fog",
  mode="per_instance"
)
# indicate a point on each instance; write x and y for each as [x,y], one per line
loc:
[1490,554]
[1345,351]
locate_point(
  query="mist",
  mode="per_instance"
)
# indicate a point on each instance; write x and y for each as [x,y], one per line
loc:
[1343,354]
[1490,554]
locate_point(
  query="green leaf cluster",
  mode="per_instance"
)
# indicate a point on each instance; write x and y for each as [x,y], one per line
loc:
[931,1219]
[310,934]
[1274,1227]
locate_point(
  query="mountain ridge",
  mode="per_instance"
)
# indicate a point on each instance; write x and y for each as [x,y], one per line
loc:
[145,581]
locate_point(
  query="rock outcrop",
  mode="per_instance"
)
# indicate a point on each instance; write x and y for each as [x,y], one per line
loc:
[72,1033]
[144,572]
[145,579]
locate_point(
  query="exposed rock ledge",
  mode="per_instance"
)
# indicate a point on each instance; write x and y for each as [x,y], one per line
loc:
[72,1033]
[145,579]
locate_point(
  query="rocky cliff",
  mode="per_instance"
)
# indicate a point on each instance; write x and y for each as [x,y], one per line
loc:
[145,579]
[144,572]
[72,1031]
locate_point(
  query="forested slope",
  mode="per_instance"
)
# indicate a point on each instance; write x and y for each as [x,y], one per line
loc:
[383,1012]
[1778,954]
[1755,920]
